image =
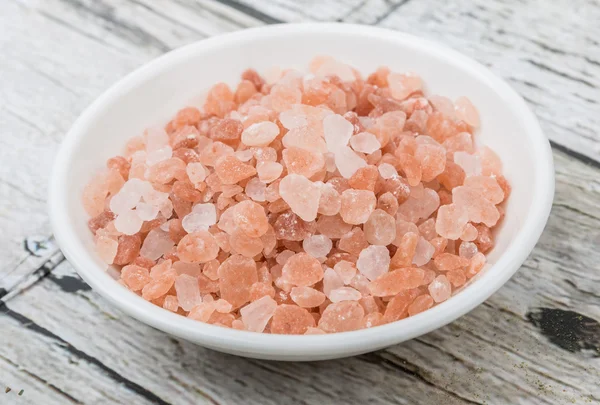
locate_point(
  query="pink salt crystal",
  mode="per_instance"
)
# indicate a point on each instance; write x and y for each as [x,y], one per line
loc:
[337,131]
[95,192]
[478,207]
[283,97]
[357,206]
[314,331]
[372,319]
[344,294]
[318,246]
[257,314]
[222,306]
[432,159]
[128,250]
[466,111]
[451,221]
[423,252]
[188,293]
[471,164]
[490,162]
[191,269]
[227,220]
[256,190]
[291,320]
[128,222]
[301,194]
[236,276]
[107,249]
[389,126]
[302,270]
[406,250]
[231,170]
[347,161]
[403,85]
[484,240]
[331,67]
[443,105]
[449,261]
[365,142]
[165,171]
[202,312]
[211,269]
[210,153]
[201,218]
[387,171]
[370,304]
[145,211]
[469,234]
[157,243]
[427,229]
[487,187]
[302,161]
[305,138]
[353,241]
[332,226]
[292,119]
[289,226]
[467,250]
[330,200]
[260,134]
[397,307]
[269,240]
[421,203]
[411,167]
[341,316]
[331,280]
[261,289]
[395,281]
[171,303]
[239,325]
[268,171]
[250,218]
[196,172]
[456,277]
[283,257]
[420,304]
[440,289]
[373,261]
[462,141]
[135,277]
[245,245]
[380,228]
[307,297]
[159,286]
[346,270]
[365,178]
[197,247]
[244,155]
[476,264]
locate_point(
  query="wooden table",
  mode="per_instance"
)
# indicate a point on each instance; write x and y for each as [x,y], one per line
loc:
[536,341]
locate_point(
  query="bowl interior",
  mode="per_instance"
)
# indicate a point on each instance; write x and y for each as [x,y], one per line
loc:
[154,93]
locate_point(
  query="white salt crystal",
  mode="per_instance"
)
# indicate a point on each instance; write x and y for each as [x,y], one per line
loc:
[344,294]
[387,171]
[257,314]
[337,131]
[201,218]
[256,189]
[423,253]
[471,164]
[292,119]
[188,292]
[348,162]
[156,244]
[159,155]
[331,281]
[317,246]
[373,261]
[145,211]
[365,142]
[128,222]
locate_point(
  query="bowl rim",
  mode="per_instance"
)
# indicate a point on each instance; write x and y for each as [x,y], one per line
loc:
[338,344]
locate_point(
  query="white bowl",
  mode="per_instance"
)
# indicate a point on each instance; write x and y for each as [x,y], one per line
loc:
[153,93]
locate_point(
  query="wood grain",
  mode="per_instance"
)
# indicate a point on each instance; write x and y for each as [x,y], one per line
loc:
[63,344]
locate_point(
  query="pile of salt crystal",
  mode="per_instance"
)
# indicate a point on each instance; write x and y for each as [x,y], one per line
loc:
[302,204]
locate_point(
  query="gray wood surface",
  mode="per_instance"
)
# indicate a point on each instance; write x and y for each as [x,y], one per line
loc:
[536,341]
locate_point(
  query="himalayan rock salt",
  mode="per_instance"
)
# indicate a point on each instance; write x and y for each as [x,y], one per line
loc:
[157,243]
[260,134]
[389,126]
[346,270]
[421,203]
[373,261]
[439,244]
[257,314]
[399,188]
[380,228]
[250,218]
[261,289]
[244,155]
[347,161]
[396,281]
[291,320]
[486,187]
[453,176]
[187,192]
[423,252]
[227,131]
[330,200]
[353,241]
[427,229]
[159,286]
[211,269]
[331,281]
[283,257]
[440,289]
[128,222]
[406,250]
[397,307]
[236,276]
[451,221]
[479,208]
[360,283]
[268,171]
[364,178]
[484,240]
[191,269]
[301,194]
[144,262]
[211,153]
[388,203]
[171,303]
[201,218]
[165,171]
[202,312]
[197,247]
[145,211]
[432,159]
[403,85]
[471,164]
[232,170]
[420,304]
[341,316]
[245,245]
[387,171]
[302,270]
[106,183]
[333,226]
[490,162]
[289,226]
[456,277]
[314,331]
[135,277]
[256,190]
[365,142]
[128,249]
[305,138]
[448,261]
[317,245]
[344,294]
[373,319]
[357,206]
[467,250]
[470,233]
[337,132]
[100,221]
[303,162]
[307,297]
[476,264]
[292,119]
[188,293]
[466,111]
[462,141]
[107,248]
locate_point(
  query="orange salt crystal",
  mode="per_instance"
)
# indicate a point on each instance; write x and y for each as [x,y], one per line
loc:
[397,307]
[227,131]
[219,100]
[341,317]
[439,244]
[237,274]
[365,178]
[466,111]
[353,241]
[456,277]
[302,270]
[484,240]
[291,320]
[411,166]
[469,234]
[157,287]
[333,226]
[135,277]
[396,281]
[452,176]
[307,297]
[357,206]
[244,91]
[144,262]
[487,187]
[250,218]
[432,159]
[245,245]
[380,228]
[477,263]
[303,162]
[231,170]
[261,289]
[289,226]
[448,261]
[187,116]
[420,304]
[197,247]
[451,221]
[406,250]
[388,203]
[128,249]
